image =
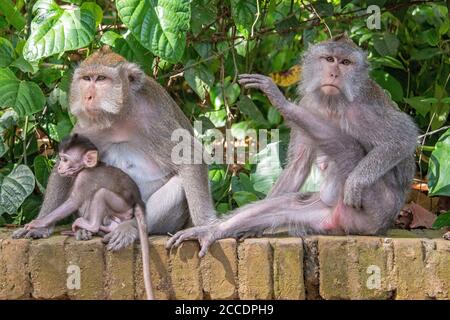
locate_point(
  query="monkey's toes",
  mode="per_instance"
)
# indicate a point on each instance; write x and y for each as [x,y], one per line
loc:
[19,233]
[446,236]
[83,235]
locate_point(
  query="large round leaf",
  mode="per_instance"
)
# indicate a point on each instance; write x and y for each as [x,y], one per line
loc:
[25,97]
[56,30]
[389,83]
[199,78]
[15,188]
[439,167]
[268,168]
[127,46]
[159,25]
[6,53]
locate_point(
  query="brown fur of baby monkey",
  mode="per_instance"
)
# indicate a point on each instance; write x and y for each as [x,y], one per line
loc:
[107,194]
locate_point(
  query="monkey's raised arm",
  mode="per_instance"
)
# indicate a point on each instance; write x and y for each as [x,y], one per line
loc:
[298,167]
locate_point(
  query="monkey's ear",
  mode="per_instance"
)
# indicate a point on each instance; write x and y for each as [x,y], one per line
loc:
[90,158]
[134,74]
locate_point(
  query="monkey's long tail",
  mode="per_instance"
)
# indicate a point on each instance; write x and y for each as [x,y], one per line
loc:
[143,237]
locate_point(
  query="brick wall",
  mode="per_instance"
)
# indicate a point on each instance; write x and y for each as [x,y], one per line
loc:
[267,268]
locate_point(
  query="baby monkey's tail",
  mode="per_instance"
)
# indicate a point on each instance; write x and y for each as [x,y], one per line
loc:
[138,211]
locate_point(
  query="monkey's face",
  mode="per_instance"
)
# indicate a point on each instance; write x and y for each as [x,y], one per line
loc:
[335,70]
[70,163]
[96,94]
[103,90]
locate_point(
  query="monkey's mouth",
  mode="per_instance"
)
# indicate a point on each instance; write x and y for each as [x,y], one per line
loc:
[330,85]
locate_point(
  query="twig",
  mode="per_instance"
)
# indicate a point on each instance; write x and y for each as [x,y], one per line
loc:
[256,20]
[432,132]
[318,16]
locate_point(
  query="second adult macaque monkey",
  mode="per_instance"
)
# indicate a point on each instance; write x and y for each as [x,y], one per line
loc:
[349,126]
[108,195]
[131,119]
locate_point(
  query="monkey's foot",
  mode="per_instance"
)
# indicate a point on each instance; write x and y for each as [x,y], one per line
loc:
[32,234]
[205,235]
[123,236]
[83,234]
[446,236]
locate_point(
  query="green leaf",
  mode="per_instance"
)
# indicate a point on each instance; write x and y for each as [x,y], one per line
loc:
[15,188]
[388,82]
[199,78]
[386,44]
[128,46]
[6,53]
[420,104]
[443,220]
[268,168]
[25,97]
[244,14]
[12,15]
[30,209]
[439,167]
[3,148]
[160,26]
[274,116]
[55,30]
[247,107]
[388,62]
[96,11]
[244,197]
[204,12]
[424,54]
[42,169]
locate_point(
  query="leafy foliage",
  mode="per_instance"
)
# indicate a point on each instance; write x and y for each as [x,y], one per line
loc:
[196,49]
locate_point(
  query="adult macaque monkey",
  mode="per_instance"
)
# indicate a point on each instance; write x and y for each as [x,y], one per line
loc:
[108,195]
[351,129]
[131,118]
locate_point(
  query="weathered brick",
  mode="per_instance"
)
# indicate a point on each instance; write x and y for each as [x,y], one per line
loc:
[14,277]
[288,268]
[437,268]
[88,257]
[311,267]
[185,272]
[120,274]
[219,270]
[159,269]
[443,267]
[47,268]
[368,268]
[333,263]
[409,266]
[255,269]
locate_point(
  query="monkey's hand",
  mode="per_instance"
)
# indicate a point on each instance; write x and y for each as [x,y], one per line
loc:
[353,194]
[32,233]
[124,235]
[267,86]
[205,235]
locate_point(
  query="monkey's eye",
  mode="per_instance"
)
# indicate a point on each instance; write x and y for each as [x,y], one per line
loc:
[330,59]
[100,78]
[346,62]
[86,78]
[63,159]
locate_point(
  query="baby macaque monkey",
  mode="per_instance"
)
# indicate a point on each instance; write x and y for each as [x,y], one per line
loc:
[105,195]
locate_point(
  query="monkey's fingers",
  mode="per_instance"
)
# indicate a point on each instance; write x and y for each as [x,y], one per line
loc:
[20,233]
[253,76]
[205,244]
[176,239]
